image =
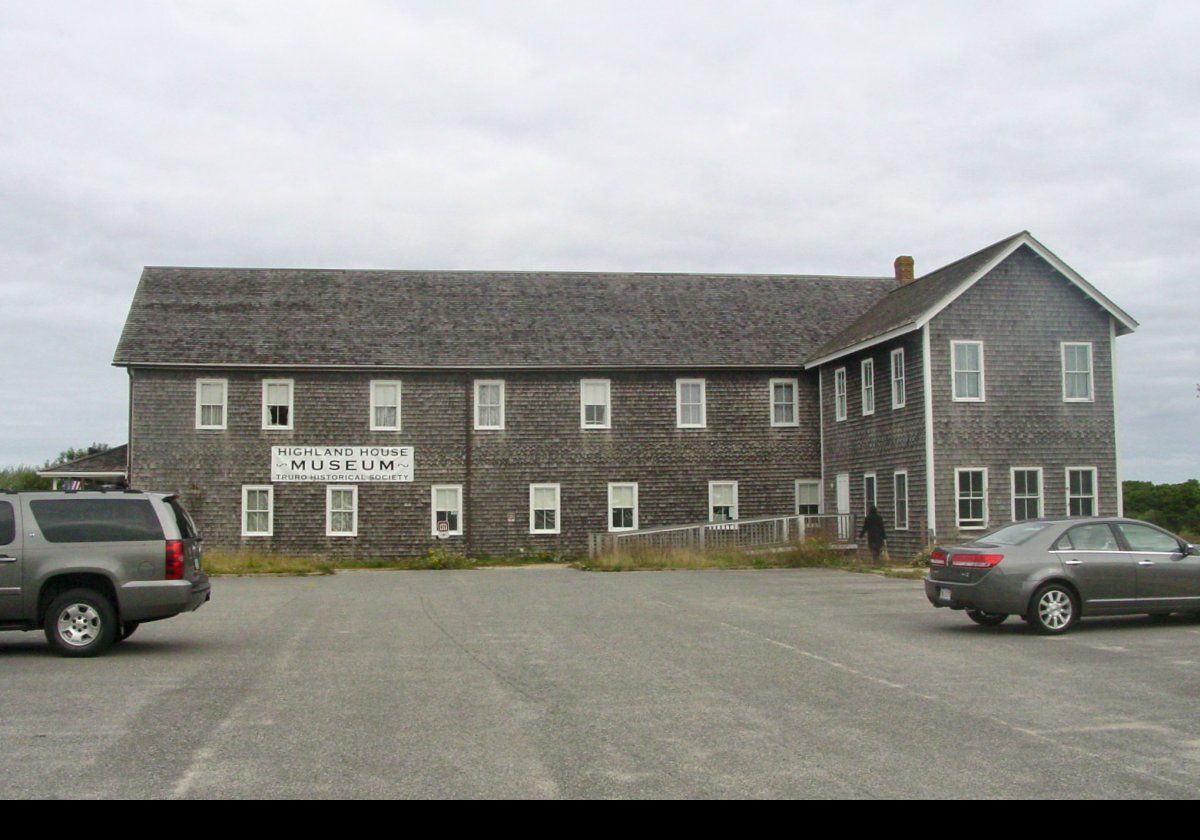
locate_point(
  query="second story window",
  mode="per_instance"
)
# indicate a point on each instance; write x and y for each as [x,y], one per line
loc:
[1077,371]
[898,394]
[489,404]
[690,409]
[839,394]
[783,402]
[868,386]
[966,370]
[277,404]
[594,404]
[385,406]
[211,400]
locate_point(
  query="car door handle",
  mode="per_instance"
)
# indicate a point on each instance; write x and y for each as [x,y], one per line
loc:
[4,558]
[1072,562]
[1145,562]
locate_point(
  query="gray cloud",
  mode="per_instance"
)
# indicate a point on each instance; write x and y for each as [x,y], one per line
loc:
[684,136]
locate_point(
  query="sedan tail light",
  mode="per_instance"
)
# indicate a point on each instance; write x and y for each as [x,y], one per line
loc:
[174,559]
[937,558]
[976,561]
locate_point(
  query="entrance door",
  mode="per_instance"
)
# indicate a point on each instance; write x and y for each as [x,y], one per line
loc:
[843,506]
[10,561]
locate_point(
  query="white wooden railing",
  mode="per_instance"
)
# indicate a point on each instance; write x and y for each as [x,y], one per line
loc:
[838,529]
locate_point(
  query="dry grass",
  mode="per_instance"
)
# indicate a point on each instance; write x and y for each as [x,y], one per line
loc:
[255,562]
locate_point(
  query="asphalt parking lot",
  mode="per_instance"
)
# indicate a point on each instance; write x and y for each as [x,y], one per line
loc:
[556,683]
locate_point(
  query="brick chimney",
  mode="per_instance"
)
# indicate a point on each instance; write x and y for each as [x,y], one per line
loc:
[904,270]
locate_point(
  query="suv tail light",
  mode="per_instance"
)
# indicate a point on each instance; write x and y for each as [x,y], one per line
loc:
[174,559]
[937,558]
[976,561]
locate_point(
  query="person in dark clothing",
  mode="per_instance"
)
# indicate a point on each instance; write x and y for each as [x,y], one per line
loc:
[876,536]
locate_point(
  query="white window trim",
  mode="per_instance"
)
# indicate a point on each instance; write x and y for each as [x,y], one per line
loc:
[679,383]
[1091,372]
[399,402]
[1095,490]
[329,488]
[986,515]
[864,366]
[896,501]
[612,485]
[954,374]
[795,384]
[433,509]
[875,480]
[503,398]
[583,423]
[270,532]
[841,398]
[1012,490]
[736,505]
[820,495]
[224,383]
[266,415]
[557,508]
[902,379]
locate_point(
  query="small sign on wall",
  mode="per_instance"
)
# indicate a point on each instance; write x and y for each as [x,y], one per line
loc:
[349,464]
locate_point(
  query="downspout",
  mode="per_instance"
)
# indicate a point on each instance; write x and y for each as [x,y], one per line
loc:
[468,444]
[930,472]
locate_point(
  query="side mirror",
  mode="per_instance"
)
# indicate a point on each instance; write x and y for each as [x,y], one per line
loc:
[1192,551]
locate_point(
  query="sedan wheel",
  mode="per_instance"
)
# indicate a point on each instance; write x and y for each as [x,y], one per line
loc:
[986,619]
[1055,609]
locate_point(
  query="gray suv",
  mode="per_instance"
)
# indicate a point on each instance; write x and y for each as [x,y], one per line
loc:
[89,567]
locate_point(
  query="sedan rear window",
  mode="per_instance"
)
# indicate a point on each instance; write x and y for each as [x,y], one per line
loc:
[1013,534]
[96,520]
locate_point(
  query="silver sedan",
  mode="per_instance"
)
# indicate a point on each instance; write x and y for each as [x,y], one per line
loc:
[1053,571]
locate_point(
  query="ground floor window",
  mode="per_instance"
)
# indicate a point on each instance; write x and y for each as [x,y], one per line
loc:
[869,494]
[722,501]
[622,507]
[808,497]
[341,511]
[1026,493]
[544,508]
[900,487]
[1081,491]
[971,497]
[257,510]
[446,507]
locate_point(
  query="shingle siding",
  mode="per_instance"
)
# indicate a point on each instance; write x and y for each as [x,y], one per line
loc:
[885,442]
[542,443]
[1022,310]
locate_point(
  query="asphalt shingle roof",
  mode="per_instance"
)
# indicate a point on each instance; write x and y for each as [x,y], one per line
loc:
[249,317]
[111,460]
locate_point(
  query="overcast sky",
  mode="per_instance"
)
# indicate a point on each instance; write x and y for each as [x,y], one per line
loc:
[741,137]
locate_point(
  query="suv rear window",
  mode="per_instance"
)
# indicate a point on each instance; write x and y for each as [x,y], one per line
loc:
[8,523]
[96,520]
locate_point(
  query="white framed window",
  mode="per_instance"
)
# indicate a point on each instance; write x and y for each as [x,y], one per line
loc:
[544,502]
[277,397]
[445,505]
[784,402]
[489,404]
[1077,371]
[867,377]
[691,411]
[966,371]
[341,510]
[258,510]
[595,404]
[870,492]
[808,497]
[385,405]
[1026,493]
[970,496]
[899,395]
[722,501]
[212,400]
[839,394]
[622,506]
[1081,491]
[900,497]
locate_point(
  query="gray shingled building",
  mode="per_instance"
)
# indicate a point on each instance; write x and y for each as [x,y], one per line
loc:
[362,413]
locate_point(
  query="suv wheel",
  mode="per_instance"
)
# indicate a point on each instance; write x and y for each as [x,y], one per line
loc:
[81,622]
[987,619]
[1054,609]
